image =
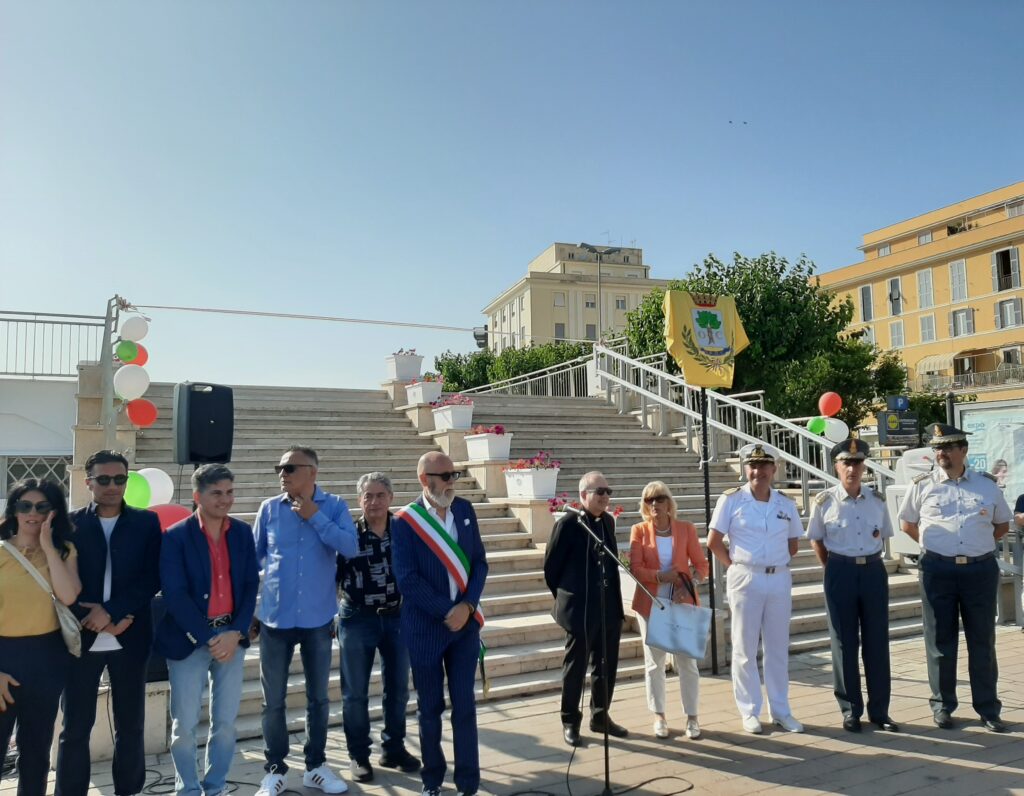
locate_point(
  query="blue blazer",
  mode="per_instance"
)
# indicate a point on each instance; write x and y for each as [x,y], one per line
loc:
[134,570]
[185,574]
[423,580]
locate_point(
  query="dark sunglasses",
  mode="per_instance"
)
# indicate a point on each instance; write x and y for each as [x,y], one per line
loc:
[650,501]
[602,490]
[26,506]
[107,480]
[288,468]
[446,477]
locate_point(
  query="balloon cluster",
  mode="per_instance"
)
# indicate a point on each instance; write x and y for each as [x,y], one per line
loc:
[831,428]
[131,380]
[151,488]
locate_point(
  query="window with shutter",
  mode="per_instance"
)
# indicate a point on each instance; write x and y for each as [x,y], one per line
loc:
[958,280]
[1005,270]
[924,289]
[866,304]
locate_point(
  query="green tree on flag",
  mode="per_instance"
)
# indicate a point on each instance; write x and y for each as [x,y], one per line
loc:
[709,322]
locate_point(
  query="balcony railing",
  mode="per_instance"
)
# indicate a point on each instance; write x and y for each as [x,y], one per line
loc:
[1004,375]
[48,344]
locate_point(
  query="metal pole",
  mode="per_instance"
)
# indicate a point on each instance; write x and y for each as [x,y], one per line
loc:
[705,466]
[108,416]
[600,302]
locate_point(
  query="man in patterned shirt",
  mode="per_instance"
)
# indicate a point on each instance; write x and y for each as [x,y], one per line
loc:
[369,620]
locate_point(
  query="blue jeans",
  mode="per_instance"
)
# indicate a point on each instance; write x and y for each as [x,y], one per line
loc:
[361,634]
[277,647]
[188,680]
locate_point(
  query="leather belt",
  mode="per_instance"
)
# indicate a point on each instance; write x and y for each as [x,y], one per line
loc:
[960,559]
[374,610]
[856,559]
[765,570]
[219,621]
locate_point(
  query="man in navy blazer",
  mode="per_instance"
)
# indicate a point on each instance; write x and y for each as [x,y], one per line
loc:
[441,620]
[118,562]
[210,579]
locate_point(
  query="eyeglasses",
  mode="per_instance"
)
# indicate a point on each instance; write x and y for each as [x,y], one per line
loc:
[107,480]
[602,491]
[288,469]
[446,477]
[26,506]
[650,501]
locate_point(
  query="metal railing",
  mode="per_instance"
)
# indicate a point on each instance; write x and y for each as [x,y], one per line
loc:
[48,344]
[1004,374]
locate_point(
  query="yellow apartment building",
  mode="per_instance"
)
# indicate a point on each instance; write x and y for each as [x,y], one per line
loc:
[561,297]
[944,290]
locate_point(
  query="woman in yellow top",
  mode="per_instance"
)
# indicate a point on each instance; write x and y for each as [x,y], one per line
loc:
[33,657]
[663,555]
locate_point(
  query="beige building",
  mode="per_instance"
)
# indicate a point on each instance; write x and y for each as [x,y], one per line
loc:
[560,299]
[944,290]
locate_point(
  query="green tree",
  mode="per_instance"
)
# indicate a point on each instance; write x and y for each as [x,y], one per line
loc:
[464,371]
[930,406]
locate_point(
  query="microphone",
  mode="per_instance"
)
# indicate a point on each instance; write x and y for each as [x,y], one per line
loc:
[574,510]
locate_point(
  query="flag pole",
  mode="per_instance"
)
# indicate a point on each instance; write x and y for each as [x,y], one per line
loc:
[705,465]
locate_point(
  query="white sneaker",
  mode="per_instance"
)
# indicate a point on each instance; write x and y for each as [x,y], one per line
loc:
[692,729]
[272,785]
[752,725]
[660,728]
[325,779]
[788,723]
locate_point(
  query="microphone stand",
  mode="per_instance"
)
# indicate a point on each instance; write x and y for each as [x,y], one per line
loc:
[603,553]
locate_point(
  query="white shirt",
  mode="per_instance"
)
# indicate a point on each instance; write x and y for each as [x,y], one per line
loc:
[759,532]
[105,642]
[664,562]
[849,526]
[448,523]
[955,516]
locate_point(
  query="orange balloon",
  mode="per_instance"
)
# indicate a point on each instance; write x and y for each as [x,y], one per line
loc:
[829,403]
[142,412]
[142,357]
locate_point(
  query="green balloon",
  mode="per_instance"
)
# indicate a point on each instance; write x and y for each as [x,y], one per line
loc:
[137,493]
[817,425]
[126,351]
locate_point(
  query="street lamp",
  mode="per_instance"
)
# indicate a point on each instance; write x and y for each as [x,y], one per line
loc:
[600,251]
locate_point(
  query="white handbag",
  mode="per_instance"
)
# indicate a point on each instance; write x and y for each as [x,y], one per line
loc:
[679,628]
[70,627]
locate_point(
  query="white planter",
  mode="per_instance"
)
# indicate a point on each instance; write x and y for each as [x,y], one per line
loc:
[403,367]
[454,417]
[488,447]
[423,392]
[531,483]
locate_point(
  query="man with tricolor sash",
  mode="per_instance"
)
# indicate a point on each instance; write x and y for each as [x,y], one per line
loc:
[440,565]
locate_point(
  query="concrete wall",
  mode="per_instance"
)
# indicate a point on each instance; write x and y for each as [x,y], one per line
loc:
[37,417]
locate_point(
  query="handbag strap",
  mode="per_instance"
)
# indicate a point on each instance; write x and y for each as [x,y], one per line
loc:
[688,581]
[29,568]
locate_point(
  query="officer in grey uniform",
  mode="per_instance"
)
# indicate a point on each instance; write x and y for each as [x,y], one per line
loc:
[848,527]
[957,514]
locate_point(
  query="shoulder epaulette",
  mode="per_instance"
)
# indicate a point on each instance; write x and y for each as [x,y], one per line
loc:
[787,497]
[989,476]
[921,477]
[821,498]
[732,491]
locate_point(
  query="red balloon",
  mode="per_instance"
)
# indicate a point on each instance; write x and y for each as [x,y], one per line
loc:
[142,412]
[169,514]
[829,403]
[142,357]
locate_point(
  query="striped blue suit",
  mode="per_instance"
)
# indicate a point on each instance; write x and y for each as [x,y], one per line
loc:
[434,650]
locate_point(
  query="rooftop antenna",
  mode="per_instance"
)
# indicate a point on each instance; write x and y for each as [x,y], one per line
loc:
[607,237]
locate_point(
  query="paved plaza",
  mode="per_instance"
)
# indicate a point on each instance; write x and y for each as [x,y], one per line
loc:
[522,749]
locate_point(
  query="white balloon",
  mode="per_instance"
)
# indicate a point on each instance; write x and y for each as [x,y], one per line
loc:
[131,382]
[134,329]
[835,429]
[160,484]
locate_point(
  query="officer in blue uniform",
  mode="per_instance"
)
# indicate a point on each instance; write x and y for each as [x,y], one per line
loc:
[848,527]
[957,515]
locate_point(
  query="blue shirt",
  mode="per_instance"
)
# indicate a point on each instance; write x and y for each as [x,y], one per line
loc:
[299,559]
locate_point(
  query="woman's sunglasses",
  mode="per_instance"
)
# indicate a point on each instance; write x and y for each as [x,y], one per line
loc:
[107,480]
[26,506]
[650,501]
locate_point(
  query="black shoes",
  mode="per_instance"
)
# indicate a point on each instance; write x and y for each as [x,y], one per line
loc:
[851,724]
[886,723]
[943,720]
[361,770]
[994,725]
[571,733]
[615,730]
[401,760]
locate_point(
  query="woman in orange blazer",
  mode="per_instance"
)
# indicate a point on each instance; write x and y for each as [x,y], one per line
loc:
[662,551]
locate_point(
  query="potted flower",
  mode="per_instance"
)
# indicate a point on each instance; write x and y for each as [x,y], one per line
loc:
[558,504]
[404,365]
[453,413]
[535,477]
[488,444]
[426,391]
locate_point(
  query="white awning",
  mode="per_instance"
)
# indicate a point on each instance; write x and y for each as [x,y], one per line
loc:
[936,363]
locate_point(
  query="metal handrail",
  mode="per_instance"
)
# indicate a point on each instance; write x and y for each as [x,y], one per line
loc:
[48,344]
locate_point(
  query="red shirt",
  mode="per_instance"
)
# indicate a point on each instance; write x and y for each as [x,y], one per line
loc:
[222,600]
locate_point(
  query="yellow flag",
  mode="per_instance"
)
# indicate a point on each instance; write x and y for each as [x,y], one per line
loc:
[703,333]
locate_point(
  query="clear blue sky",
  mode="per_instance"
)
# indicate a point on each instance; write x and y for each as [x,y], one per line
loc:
[406,160]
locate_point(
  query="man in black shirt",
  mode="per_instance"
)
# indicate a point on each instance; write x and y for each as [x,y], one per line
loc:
[369,620]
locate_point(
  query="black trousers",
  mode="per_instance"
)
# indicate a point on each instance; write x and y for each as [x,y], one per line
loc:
[127,670]
[955,593]
[581,649]
[40,665]
[857,596]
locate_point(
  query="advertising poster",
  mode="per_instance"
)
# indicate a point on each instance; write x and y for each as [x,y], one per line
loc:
[997,443]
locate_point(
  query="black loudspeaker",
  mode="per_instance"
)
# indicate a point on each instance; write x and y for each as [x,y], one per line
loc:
[204,423]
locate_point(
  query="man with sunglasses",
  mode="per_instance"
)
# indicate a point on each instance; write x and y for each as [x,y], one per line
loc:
[575,574]
[440,565]
[848,527]
[957,514]
[119,565]
[299,535]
